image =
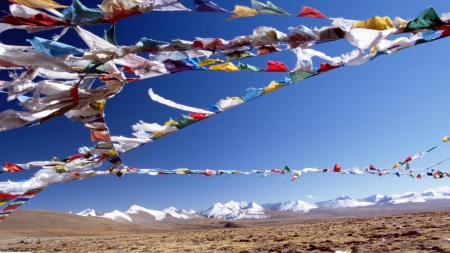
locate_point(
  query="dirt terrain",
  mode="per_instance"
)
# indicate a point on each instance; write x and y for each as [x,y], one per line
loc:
[417,232]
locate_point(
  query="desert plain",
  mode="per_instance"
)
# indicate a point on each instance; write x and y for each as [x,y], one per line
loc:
[406,228]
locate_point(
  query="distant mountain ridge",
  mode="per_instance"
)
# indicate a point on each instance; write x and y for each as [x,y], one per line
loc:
[243,210]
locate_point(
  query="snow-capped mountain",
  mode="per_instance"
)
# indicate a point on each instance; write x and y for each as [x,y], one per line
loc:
[402,198]
[438,193]
[342,202]
[291,206]
[117,216]
[243,210]
[372,199]
[234,210]
[89,212]
[141,214]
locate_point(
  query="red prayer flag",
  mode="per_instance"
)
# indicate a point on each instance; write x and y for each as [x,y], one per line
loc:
[9,196]
[198,116]
[372,167]
[76,156]
[10,208]
[39,19]
[209,172]
[324,67]
[408,159]
[102,135]
[275,170]
[276,66]
[310,13]
[11,167]
[337,168]
[266,49]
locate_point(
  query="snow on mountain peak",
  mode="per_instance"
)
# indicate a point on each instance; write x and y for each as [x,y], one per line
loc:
[373,199]
[88,212]
[135,209]
[171,209]
[342,202]
[291,206]
[117,215]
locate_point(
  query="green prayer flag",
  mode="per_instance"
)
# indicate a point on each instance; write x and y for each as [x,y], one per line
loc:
[248,67]
[110,35]
[427,19]
[298,76]
[268,8]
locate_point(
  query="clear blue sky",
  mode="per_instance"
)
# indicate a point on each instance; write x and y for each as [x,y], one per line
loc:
[378,113]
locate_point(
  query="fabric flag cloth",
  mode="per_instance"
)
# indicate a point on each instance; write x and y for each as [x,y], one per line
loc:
[242,66]
[172,104]
[242,11]
[207,6]
[43,4]
[252,93]
[298,76]
[53,48]
[226,66]
[446,139]
[39,19]
[324,67]
[310,13]
[6,197]
[273,86]
[110,35]
[207,62]
[11,167]
[267,49]
[366,38]
[78,14]
[177,66]
[337,168]
[375,23]
[150,45]
[153,127]
[268,8]
[426,19]
[276,66]
[296,173]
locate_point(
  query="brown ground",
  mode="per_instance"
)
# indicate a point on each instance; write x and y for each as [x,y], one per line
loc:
[419,232]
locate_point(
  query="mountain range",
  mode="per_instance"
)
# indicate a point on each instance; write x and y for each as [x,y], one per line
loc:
[244,210]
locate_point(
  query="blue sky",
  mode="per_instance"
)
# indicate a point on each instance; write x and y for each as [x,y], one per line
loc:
[378,113]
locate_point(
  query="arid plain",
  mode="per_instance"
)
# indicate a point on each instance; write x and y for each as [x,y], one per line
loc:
[399,228]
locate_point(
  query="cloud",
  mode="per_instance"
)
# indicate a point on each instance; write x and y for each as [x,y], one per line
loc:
[311,197]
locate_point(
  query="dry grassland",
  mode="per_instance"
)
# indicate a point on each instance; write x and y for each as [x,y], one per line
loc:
[419,232]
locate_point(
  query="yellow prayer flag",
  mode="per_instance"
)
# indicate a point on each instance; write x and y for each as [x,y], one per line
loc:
[207,62]
[397,165]
[2,203]
[374,50]
[110,153]
[226,66]
[98,105]
[446,139]
[44,4]
[171,122]
[242,11]
[182,171]
[159,134]
[272,86]
[375,23]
